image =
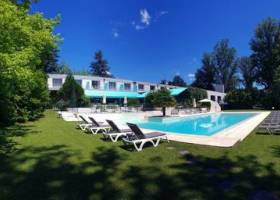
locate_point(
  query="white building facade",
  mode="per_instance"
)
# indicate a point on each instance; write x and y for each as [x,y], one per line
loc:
[111,86]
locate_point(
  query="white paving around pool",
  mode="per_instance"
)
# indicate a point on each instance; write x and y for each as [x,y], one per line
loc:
[225,138]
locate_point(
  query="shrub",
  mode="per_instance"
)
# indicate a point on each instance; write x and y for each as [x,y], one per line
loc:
[133,102]
[271,97]
[240,99]
[72,93]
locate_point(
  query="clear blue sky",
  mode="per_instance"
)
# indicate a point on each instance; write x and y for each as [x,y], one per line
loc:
[151,40]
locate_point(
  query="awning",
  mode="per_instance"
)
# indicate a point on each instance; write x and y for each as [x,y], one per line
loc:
[113,94]
[123,94]
[177,91]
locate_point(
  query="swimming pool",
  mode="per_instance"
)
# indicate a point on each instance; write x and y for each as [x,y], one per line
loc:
[206,124]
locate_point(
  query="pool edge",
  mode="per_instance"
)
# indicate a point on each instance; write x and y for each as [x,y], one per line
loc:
[224,138]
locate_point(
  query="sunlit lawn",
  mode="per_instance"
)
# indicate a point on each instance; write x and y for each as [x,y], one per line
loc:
[51,159]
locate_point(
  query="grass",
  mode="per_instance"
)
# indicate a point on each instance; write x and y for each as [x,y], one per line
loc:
[51,159]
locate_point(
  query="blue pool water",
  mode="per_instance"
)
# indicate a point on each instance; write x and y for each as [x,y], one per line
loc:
[207,124]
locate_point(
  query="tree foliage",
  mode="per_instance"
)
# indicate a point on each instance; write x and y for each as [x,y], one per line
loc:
[100,66]
[23,38]
[72,94]
[240,99]
[64,68]
[178,81]
[161,98]
[219,67]
[205,76]
[271,95]
[266,48]
[50,60]
[225,64]
[248,72]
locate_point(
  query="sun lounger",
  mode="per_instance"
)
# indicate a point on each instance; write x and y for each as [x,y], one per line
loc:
[84,124]
[270,128]
[272,123]
[98,127]
[115,132]
[138,139]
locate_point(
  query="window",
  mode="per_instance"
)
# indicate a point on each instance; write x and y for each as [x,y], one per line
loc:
[95,84]
[162,87]
[140,87]
[112,85]
[87,85]
[152,87]
[79,81]
[127,86]
[213,97]
[57,82]
[219,99]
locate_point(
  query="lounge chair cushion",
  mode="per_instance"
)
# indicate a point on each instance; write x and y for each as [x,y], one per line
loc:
[126,130]
[154,134]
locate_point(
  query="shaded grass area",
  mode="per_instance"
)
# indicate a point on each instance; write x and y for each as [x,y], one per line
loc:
[50,159]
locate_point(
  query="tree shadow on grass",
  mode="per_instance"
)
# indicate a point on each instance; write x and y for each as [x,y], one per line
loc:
[52,174]
[17,130]
[276,151]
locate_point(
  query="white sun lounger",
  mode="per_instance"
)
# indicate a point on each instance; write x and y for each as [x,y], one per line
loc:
[85,123]
[116,133]
[139,139]
[98,127]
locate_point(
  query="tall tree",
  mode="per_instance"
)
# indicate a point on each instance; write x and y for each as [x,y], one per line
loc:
[205,76]
[50,60]
[248,72]
[264,45]
[100,66]
[178,81]
[23,38]
[164,82]
[24,3]
[225,64]
[64,68]
[72,93]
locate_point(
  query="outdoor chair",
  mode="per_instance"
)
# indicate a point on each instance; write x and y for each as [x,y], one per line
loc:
[115,133]
[138,139]
[98,126]
[84,124]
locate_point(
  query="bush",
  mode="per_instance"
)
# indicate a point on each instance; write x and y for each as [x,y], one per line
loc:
[72,94]
[133,102]
[271,97]
[24,97]
[240,99]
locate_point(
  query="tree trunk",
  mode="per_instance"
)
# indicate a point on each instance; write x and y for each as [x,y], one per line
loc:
[163,111]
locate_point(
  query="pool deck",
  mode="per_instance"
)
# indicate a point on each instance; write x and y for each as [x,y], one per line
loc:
[225,138]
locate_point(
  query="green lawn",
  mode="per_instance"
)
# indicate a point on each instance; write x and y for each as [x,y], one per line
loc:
[51,159]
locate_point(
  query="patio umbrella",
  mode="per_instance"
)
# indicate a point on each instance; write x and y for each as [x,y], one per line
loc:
[194,103]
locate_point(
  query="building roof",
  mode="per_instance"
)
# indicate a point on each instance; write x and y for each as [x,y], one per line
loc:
[90,77]
[177,91]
